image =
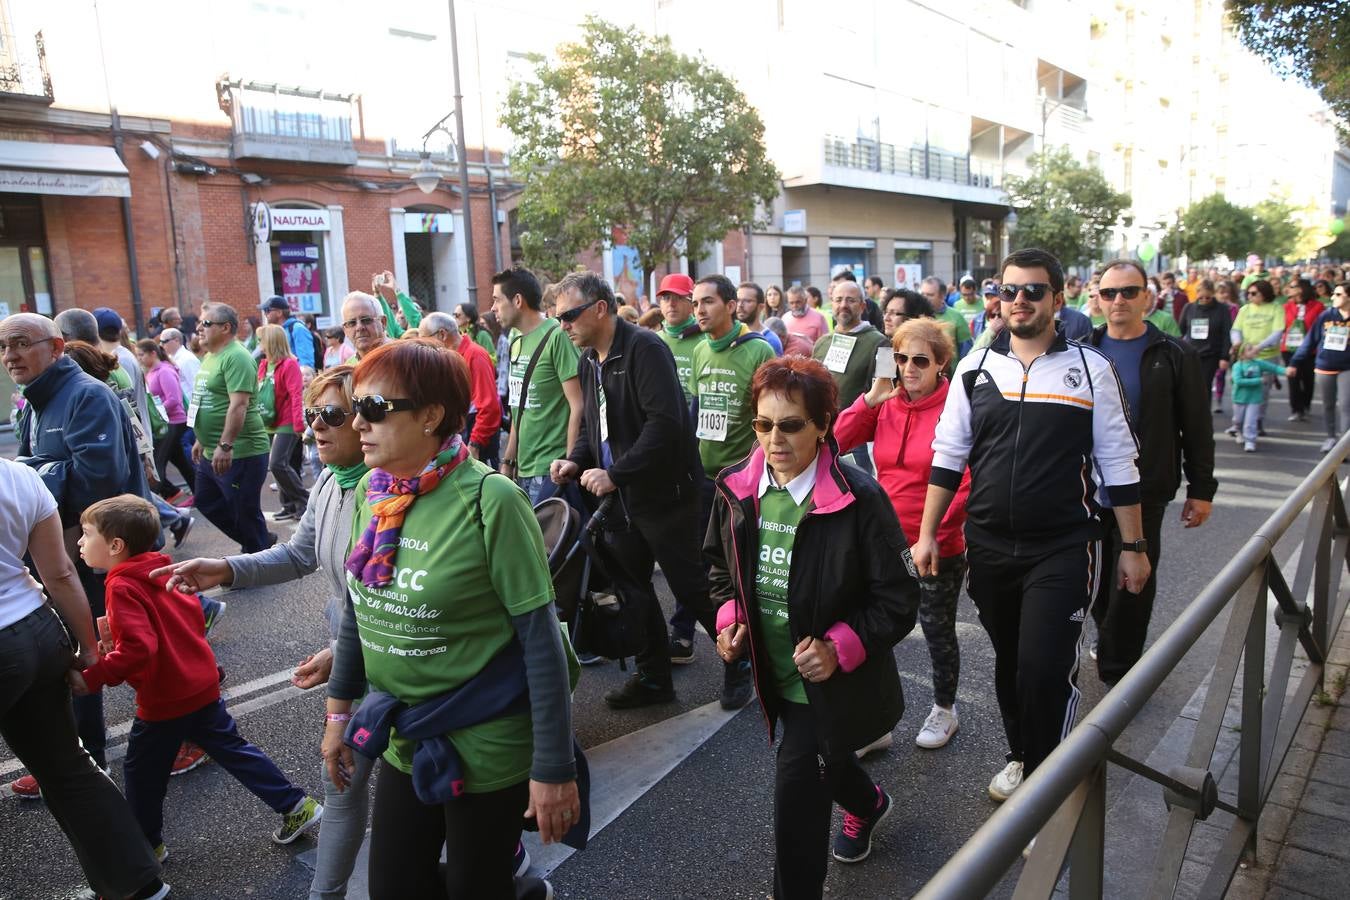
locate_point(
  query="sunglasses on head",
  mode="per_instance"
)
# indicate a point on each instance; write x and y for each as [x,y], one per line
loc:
[1035,291]
[373,407]
[333,416]
[920,362]
[1129,293]
[786,426]
[571,315]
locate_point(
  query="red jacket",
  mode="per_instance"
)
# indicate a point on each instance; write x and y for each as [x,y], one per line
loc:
[1310,313]
[159,644]
[482,391]
[903,432]
[289,385]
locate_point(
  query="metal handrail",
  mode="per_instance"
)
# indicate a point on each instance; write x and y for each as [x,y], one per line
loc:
[1062,804]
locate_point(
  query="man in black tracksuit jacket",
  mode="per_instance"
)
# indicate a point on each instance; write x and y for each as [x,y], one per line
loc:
[1171,419]
[636,439]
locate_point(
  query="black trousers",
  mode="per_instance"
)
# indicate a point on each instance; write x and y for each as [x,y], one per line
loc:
[170,449]
[480,832]
[1209,367]
[1301,385]
[1122,617]
[671,538]
[1033,609]
[682,622]
[806,784]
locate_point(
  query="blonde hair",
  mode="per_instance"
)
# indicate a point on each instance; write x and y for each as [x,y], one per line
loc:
[336,376]
[930,332]
[274,343]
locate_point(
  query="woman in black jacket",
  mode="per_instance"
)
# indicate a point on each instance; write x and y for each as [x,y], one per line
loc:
[811,570]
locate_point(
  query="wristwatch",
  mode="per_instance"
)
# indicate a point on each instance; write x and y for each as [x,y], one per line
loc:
[1139,546]
[228,448]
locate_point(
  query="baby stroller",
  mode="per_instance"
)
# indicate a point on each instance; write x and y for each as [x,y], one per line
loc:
[599,623]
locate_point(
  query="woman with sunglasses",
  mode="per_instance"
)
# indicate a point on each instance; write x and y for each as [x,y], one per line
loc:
[449,611]
[320,543]
[807,560]
[1328,345]
[901,416]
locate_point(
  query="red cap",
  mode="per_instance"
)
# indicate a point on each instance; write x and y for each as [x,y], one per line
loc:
[676,283]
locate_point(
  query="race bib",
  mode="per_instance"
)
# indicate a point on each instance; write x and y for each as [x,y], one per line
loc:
[712,417]
[1294,339]
[1336,338]
[515,383]
[1199,329]
[193,406]
[841,348]
[143,445]
[604,411]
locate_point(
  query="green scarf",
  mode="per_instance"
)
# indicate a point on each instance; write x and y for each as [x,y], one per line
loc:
[679,330]
[348,476]
[724,342]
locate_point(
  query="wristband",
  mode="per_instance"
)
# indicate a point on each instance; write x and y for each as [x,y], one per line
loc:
[337,717]
[509,462]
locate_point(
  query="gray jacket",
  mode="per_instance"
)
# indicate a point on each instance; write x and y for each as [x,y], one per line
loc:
[320,542]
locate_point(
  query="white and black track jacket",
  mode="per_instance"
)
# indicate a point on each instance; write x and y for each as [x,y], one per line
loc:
[1038,440]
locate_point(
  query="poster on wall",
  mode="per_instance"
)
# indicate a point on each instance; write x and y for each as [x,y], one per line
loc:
[300,279]
[628,278]
[908,275]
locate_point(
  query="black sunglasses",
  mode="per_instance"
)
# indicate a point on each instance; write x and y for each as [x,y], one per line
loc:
[786,426]
[575,312]
[333,416]
[920,362]
[373,407]
[1129,293]
[1035,292]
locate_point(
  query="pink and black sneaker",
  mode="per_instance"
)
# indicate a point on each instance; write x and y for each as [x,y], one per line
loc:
[853,843]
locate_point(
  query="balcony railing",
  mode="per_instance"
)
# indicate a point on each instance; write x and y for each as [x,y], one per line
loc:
[292,124]
[23,69]
[918,162]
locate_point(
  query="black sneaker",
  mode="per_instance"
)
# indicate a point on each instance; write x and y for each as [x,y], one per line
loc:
[639,690]
[530,888]
[180,529]
[681,650]
[854,841]
[737,685]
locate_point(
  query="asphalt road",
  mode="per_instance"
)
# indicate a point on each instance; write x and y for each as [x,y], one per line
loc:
[704,830]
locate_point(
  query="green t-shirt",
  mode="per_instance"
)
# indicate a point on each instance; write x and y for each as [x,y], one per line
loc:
[969,311]
[956,326]
[484,340]
[721,382]
[779,516]
[231,370]
[1163,321]
[448,611]
[682,348]
[1258,321]
[851,359]
[542,434]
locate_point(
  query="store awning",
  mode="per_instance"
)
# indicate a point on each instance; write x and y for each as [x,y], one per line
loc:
[75,170]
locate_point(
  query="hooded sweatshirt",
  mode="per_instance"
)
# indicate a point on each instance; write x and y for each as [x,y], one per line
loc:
[159,644]
[903,431]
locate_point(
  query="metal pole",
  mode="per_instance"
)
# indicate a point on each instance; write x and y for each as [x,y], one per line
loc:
[466,206]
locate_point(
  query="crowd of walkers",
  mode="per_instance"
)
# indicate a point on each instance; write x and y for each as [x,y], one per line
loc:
[812,479]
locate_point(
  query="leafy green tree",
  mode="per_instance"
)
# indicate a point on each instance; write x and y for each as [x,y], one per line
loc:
[1278,230]
[619,130]
[1214,227]
[1309,40]
[1064,207]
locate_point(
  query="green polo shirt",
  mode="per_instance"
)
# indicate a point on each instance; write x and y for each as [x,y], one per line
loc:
[230,370]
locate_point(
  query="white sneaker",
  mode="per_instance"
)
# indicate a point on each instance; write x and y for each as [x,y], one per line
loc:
[1026,851]
[882,743]
[1249,447]
[1328,445]
[1006,781]
[938,728]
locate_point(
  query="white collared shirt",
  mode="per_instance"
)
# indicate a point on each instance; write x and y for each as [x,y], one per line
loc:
[800,487]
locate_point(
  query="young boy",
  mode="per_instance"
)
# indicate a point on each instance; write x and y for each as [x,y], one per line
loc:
[158,645]
[1249,393]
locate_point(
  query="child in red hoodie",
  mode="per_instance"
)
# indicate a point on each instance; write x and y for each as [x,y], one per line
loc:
[158,646]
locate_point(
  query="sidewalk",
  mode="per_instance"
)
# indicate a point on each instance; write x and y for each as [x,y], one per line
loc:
[1303,848]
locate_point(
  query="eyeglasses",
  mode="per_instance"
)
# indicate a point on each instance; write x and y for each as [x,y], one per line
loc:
[363,321]
[920,362]
[205,323]
[373,407]
[786,426]
[1129,293]
[1253,293]
[333,416]
[575,312]
[21,344]
[1035,292]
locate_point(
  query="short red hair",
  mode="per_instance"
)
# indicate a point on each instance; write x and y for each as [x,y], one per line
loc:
[425,373]
[803,379]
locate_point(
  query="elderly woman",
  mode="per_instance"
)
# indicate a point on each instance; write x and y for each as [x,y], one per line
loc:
[808,563]
[901,415]
[320,543]
[449,619]
[279,371]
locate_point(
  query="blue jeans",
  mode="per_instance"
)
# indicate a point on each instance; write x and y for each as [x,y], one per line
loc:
[152,746]
[233,502]
[36,723]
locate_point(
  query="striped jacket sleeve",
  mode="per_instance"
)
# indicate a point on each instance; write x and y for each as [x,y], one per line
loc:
[952,439]
[1114,446]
